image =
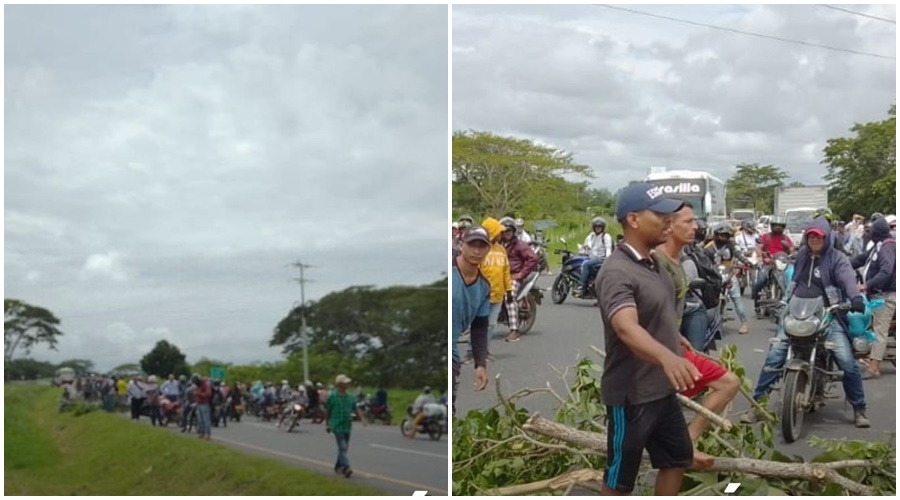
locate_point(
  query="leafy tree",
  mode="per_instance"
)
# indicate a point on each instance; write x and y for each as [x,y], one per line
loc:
[753,186]
[862,170]
[28,369]
[26,325]
[502,170]
[396,336]
[796,184]
[164,359]
[79,365]
[126,369]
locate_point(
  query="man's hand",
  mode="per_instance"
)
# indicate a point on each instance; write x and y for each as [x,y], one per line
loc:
[481,379]
[516,276]
[681,373]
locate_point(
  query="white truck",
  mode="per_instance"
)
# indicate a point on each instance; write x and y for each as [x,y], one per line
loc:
[797,205]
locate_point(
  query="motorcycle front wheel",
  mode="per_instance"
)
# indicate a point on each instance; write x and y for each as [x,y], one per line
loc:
[405,427]
[792,405]
[560,289]
[527,317]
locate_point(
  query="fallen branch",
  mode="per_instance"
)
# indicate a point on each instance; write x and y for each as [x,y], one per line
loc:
[565,482]
[766,468]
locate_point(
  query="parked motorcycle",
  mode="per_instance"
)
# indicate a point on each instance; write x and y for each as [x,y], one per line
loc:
[528,300]
[434,424]
[540,249]
[569,277]
[810,367]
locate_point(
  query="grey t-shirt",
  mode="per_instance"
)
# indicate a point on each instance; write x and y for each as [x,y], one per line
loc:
[628,280]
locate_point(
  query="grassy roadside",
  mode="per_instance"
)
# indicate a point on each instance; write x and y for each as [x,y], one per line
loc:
[48,453]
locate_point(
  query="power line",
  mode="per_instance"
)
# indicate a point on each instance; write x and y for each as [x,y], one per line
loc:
[748,33]
[863,14]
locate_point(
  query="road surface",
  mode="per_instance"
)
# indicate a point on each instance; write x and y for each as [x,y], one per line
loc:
[380,456]
[563,334]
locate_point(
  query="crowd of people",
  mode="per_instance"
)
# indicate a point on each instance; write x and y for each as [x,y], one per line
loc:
[653,320]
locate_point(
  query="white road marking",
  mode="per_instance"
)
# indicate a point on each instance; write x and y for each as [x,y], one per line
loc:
[404,450]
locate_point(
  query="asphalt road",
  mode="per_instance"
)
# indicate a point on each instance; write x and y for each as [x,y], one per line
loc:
[380,456]
[563,334]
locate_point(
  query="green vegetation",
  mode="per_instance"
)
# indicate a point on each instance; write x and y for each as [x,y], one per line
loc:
[491,450]
[48,453]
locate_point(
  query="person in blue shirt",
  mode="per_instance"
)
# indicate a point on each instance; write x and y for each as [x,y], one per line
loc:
[471,304]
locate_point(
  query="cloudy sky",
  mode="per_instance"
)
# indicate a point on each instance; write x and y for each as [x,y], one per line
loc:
[625,92]
[165,164]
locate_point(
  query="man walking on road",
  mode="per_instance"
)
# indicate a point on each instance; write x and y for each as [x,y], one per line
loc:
[643,367]
[339,409]
[471,304]
[203,397]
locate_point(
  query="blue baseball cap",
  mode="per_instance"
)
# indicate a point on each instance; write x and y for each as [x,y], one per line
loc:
[642,196]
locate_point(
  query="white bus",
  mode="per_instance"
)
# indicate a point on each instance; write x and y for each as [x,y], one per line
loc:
[705,192]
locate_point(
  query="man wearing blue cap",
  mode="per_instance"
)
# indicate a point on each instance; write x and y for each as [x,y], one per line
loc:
[644,367]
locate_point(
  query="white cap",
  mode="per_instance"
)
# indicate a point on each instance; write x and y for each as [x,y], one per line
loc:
[891,219]
[342,379]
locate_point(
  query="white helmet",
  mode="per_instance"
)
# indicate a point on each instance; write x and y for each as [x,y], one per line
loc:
[891,219]
[520,222]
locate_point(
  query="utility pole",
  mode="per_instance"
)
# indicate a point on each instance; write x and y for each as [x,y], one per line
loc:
[304,334]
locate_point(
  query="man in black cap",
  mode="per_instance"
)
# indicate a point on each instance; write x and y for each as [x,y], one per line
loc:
[471,304]
[644,366]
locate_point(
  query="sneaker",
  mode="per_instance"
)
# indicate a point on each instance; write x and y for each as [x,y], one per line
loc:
[490,357]
[743,329]
[468,359]
[752,417]
[860,420]
[348,472]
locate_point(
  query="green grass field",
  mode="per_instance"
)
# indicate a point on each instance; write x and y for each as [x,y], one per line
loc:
[48,453]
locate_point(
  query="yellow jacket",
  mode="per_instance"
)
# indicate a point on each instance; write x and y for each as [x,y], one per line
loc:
[495,267]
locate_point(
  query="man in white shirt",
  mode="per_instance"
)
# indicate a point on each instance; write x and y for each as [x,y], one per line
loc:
[521,233]
[419,409]
[747,239]
[599,245]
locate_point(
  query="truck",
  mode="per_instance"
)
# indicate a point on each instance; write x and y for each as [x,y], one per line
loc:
[705,192]
[797,205]
[741,214]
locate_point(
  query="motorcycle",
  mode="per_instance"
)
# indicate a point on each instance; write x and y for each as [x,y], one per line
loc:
[781,272]
[434,424]
[810,367]
[529,297]
[540,249]
[746,274]
[727,282]
[373,412]
[295,416]
[316,414]
[862,336]
[569,277]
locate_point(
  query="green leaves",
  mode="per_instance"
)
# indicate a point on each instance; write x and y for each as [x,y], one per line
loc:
[25,326]
[165,359]
[753,186]
[862,170]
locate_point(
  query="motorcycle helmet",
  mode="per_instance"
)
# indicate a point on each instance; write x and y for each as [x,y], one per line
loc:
[520,223]
[748,225]
[427,390]
[891,219]
[778,221]
[722,230]
[599,222]
[876,216]
[702,228]
[508,223]
[466,221]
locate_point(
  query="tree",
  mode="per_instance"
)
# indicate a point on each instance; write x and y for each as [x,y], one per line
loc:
[80,366]
[753,186]
[26,325]
[28,369]
[862,170]
[796,184]
[501,170]
[164,359]
[126,369]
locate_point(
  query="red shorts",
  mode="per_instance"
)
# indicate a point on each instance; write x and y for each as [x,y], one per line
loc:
[710,371]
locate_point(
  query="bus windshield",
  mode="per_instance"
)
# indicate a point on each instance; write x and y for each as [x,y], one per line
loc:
[797,221]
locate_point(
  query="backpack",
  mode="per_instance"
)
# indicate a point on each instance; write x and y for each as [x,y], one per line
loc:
[707,271]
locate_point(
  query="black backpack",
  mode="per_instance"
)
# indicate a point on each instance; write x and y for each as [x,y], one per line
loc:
[707,271]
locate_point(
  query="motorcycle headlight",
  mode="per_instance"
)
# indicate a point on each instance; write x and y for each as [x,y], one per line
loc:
[800,328]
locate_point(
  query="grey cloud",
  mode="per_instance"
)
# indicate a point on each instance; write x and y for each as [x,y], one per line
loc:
[164,163]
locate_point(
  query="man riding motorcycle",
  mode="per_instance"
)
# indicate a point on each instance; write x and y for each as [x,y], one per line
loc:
[599,245]
[747,240]
[419,409]
[521,233]
[299,397]
[821,271]
[724,252]
[771,243]
[522,261]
